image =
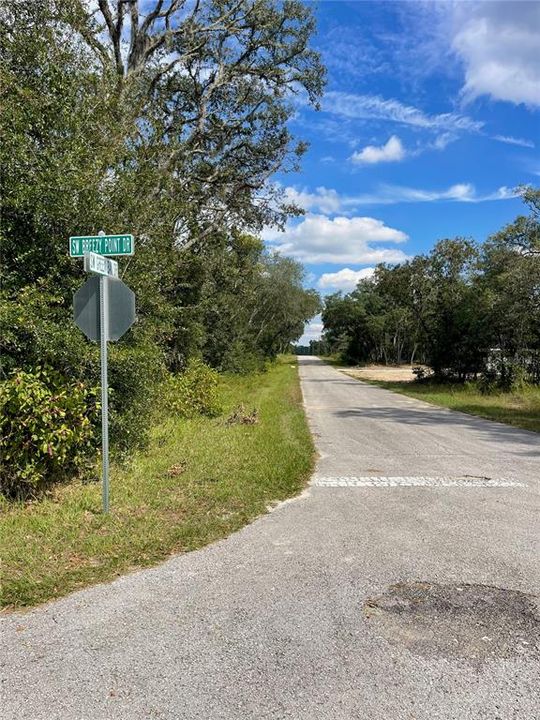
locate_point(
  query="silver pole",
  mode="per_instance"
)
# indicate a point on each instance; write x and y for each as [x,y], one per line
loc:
[103,332]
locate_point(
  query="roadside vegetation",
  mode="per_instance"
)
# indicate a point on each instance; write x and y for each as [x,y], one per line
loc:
[200,479]
[167,122]
[465,310]
[465,317]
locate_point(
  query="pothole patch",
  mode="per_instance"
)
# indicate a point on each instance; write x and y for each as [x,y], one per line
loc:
[462,481]
[471,622]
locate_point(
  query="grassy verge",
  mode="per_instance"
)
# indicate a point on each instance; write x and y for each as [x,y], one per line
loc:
[521,409]
[199,481]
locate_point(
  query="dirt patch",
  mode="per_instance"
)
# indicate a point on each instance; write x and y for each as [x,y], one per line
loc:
[471,622]
[176,470]
[391,373]
[241,416]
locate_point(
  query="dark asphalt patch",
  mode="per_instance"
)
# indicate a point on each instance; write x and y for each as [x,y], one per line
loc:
[471,622]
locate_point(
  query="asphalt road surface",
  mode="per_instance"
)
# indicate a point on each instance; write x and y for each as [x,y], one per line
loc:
[400,585]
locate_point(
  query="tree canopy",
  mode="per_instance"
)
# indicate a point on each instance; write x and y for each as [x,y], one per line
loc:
[166,119]
[463,309]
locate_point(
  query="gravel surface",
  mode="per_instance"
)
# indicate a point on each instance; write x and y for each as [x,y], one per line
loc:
[275,621]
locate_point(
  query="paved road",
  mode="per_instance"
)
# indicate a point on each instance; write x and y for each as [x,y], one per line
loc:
[293,617]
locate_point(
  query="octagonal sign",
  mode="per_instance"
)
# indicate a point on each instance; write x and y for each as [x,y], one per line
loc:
[121,308]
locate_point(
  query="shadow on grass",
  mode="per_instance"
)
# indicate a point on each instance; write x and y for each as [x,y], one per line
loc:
[520,410]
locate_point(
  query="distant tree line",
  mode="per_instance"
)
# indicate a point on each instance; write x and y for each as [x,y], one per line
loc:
[315,347]
[166,119]
[464,309]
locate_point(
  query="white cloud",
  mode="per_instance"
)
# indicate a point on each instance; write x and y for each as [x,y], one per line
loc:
[312,331]
[374,107]
[330,202]
[341,240]
[323,199]
[345,279]
[392,151]
[514,141]
[460,192]
[443,140]
[498,44]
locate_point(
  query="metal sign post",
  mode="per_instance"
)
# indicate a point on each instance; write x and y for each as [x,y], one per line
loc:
[103,328]
[103,308]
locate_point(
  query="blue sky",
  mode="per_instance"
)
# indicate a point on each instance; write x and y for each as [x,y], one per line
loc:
[431,117]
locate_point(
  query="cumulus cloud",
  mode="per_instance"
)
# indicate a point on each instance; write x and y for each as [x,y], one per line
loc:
[345,279]
[375,107]
[392,151]
[341,240]
[312,331]
[498,44]
[323,199]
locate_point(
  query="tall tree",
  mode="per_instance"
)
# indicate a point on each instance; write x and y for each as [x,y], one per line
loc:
[211,84]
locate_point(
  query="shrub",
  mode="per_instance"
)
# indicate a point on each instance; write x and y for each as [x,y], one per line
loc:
[46,424]
[504,376]
[37,330]
[513,377]
[242,359]
[488,383]
[136,372]
[194,392]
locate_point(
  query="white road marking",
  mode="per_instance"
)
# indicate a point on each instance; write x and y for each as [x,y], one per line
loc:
[380,481]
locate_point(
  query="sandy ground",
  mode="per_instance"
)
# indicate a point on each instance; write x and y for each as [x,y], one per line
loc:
[382,372]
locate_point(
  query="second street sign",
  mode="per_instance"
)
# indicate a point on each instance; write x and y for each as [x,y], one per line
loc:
[100,265]
[101,244]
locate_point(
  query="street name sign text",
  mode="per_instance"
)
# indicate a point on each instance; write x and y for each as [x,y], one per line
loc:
[100,265]
[101,244]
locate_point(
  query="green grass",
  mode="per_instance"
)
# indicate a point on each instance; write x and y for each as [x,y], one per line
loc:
[520,408]
[199,480]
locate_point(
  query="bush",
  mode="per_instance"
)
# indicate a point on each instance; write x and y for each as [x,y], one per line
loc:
[194,392]
[513,377]
[504,376]
[46,425]
[240,359]
[488,382]
[136,372]
[37,329]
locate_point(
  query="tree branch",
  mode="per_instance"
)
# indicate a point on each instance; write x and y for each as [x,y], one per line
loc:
[115,37]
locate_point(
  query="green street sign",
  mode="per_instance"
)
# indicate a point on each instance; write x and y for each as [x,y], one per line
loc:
[101,244]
